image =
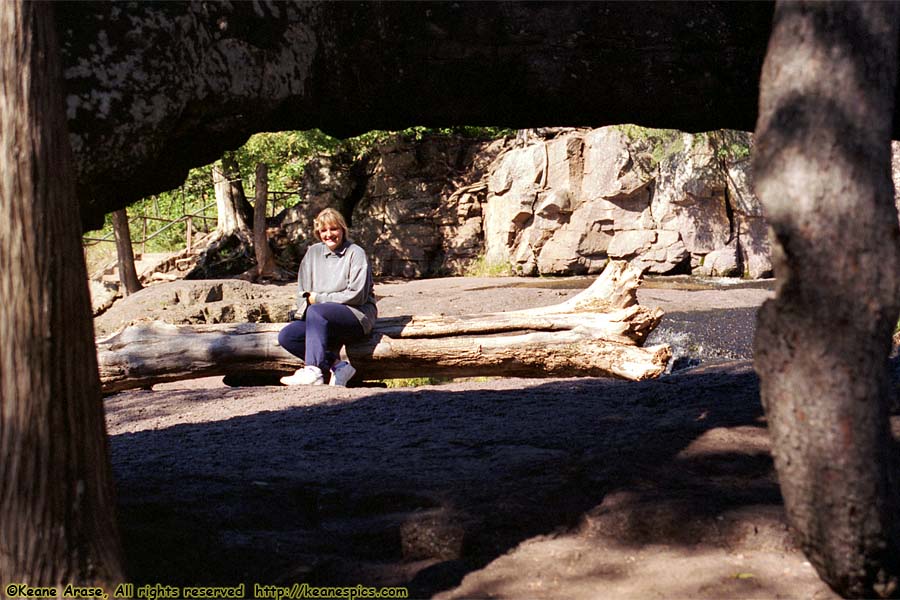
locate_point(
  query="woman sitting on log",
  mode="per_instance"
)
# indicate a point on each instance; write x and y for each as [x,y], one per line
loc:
[337,302]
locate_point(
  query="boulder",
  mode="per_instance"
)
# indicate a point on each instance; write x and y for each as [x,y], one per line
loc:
[631,242]
[557,256]
[666,254]
[568,206]
[103,295]
[740,191]
[206,301]
[724,262]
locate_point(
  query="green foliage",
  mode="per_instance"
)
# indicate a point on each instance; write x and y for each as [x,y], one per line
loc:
[482,379]
[420,381]
[482,267]
[636,133]
[731,146]
[733,153]
[286,153]
[361,144]
[659,144]
[475,132]
[415,381]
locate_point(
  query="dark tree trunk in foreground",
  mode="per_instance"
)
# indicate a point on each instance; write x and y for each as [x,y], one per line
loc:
[56,497]
[822,170]
[125,253]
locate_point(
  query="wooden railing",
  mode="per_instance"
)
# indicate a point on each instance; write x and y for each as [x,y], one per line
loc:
[142,221]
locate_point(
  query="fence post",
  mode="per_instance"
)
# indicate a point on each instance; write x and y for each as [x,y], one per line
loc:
[188,232]
[144,237]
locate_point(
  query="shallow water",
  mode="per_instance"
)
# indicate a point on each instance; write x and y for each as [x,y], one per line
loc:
[693,282]
[703,337]
[549,283]
[666,282]
[697,337]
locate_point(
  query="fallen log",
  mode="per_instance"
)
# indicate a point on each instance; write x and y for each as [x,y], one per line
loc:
[598,332]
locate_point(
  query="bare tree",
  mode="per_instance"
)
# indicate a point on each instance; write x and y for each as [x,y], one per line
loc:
[265,260]
[233,211]
[125,253]
[56,498]
[822,170]
[230,247]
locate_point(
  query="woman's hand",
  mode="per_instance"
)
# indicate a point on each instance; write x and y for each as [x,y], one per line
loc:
[311,298]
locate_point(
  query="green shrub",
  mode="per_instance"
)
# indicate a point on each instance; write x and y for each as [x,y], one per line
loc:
[420,381]
[658,144]
[482,267]
[286,153]
[415,381]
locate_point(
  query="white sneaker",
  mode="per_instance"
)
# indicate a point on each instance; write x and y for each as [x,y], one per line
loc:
[341,373]
[308,375]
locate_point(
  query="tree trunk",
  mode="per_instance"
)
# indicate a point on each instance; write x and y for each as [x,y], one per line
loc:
[234,212]
[822,171]
[265,261]
[265,267]
[125,254]
[56,497]
[228,251]
[596,333]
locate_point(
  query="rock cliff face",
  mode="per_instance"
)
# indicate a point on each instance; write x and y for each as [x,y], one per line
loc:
[676,202]
[421,213]
[416,206]
[672,201]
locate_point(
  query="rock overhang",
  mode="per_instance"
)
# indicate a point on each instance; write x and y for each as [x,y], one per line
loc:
[153,89]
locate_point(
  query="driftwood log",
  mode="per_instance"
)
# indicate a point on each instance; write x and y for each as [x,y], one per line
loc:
[598,332]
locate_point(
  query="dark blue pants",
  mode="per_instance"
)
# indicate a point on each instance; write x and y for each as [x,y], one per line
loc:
[318,339]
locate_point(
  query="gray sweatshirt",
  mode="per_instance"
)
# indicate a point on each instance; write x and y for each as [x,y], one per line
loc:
[343,276]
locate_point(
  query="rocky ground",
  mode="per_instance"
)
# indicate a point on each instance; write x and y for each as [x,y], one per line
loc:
[506,488]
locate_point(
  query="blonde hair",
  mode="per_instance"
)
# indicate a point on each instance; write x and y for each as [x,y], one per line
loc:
[330,216]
